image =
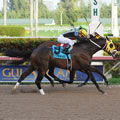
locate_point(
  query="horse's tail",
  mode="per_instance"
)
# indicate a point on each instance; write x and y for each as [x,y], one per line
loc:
[18,53]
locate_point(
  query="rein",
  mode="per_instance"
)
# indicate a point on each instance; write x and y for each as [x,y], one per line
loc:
[95,43]
[98,45]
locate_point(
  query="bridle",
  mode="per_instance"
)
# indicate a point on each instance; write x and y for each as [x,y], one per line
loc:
[105,47]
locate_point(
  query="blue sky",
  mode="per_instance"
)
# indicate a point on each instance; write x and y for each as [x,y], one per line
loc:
[1,2]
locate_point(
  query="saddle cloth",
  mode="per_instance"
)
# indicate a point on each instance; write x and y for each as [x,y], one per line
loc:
[57,51]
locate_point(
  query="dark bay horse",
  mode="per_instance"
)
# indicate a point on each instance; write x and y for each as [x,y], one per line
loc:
[26,56]
[42,60]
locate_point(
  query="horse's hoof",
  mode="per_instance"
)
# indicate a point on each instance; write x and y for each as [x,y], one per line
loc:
[80,85]
[42,92]
[101,91]
[63,84]
[52,85]
[107,85]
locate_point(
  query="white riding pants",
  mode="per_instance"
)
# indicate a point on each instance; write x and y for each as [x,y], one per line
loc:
[62,39]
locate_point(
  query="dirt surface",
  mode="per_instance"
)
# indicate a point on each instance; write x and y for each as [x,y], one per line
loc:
[69,103]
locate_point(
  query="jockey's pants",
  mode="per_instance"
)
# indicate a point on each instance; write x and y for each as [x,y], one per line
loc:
[62,39]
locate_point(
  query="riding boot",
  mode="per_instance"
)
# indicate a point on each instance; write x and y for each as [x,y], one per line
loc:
[65,50]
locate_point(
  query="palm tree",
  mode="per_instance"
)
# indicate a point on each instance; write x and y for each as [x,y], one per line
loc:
[31,17]
[5,10]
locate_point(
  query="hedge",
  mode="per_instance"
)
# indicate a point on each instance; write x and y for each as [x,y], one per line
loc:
[22,43]
[28,43]
[12,31]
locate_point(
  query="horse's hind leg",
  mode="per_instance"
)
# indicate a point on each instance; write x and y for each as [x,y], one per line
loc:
[51,81]
[72,75]
[38,82]
[51,73]
[84,83]
[29,70]
[94,81]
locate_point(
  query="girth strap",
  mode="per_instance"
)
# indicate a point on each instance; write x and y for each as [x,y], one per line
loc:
[69,63]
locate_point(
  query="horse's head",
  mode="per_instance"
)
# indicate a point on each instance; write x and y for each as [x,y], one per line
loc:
[104,43]
[110,48]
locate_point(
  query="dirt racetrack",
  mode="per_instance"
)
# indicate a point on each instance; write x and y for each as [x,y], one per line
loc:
[69,103]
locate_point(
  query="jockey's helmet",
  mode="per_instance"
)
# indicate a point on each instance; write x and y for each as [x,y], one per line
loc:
[82,32]
[83,27]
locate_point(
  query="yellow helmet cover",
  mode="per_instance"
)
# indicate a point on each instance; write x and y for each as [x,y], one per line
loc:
[83,32]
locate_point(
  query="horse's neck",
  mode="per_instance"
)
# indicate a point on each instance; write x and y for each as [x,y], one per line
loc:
[88,48]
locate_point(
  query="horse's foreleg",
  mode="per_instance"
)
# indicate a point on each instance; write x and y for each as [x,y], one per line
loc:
[94,81]
[51,81]
[29,70]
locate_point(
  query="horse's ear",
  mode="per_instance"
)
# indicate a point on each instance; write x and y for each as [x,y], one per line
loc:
[96,34]
[107,38]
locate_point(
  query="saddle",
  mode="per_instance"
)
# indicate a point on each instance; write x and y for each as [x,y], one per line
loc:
[59,54]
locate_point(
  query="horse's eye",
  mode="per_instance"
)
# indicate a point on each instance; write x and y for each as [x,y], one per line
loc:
[111,45]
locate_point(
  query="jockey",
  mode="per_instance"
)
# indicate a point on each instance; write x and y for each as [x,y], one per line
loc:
[71,37]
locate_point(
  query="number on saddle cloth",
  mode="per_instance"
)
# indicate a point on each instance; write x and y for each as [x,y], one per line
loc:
[57,51]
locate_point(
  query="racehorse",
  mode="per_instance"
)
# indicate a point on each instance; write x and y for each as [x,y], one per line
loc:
[42,60]
[26,56]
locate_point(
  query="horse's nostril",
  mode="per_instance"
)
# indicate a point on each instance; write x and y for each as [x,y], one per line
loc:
[115,55]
